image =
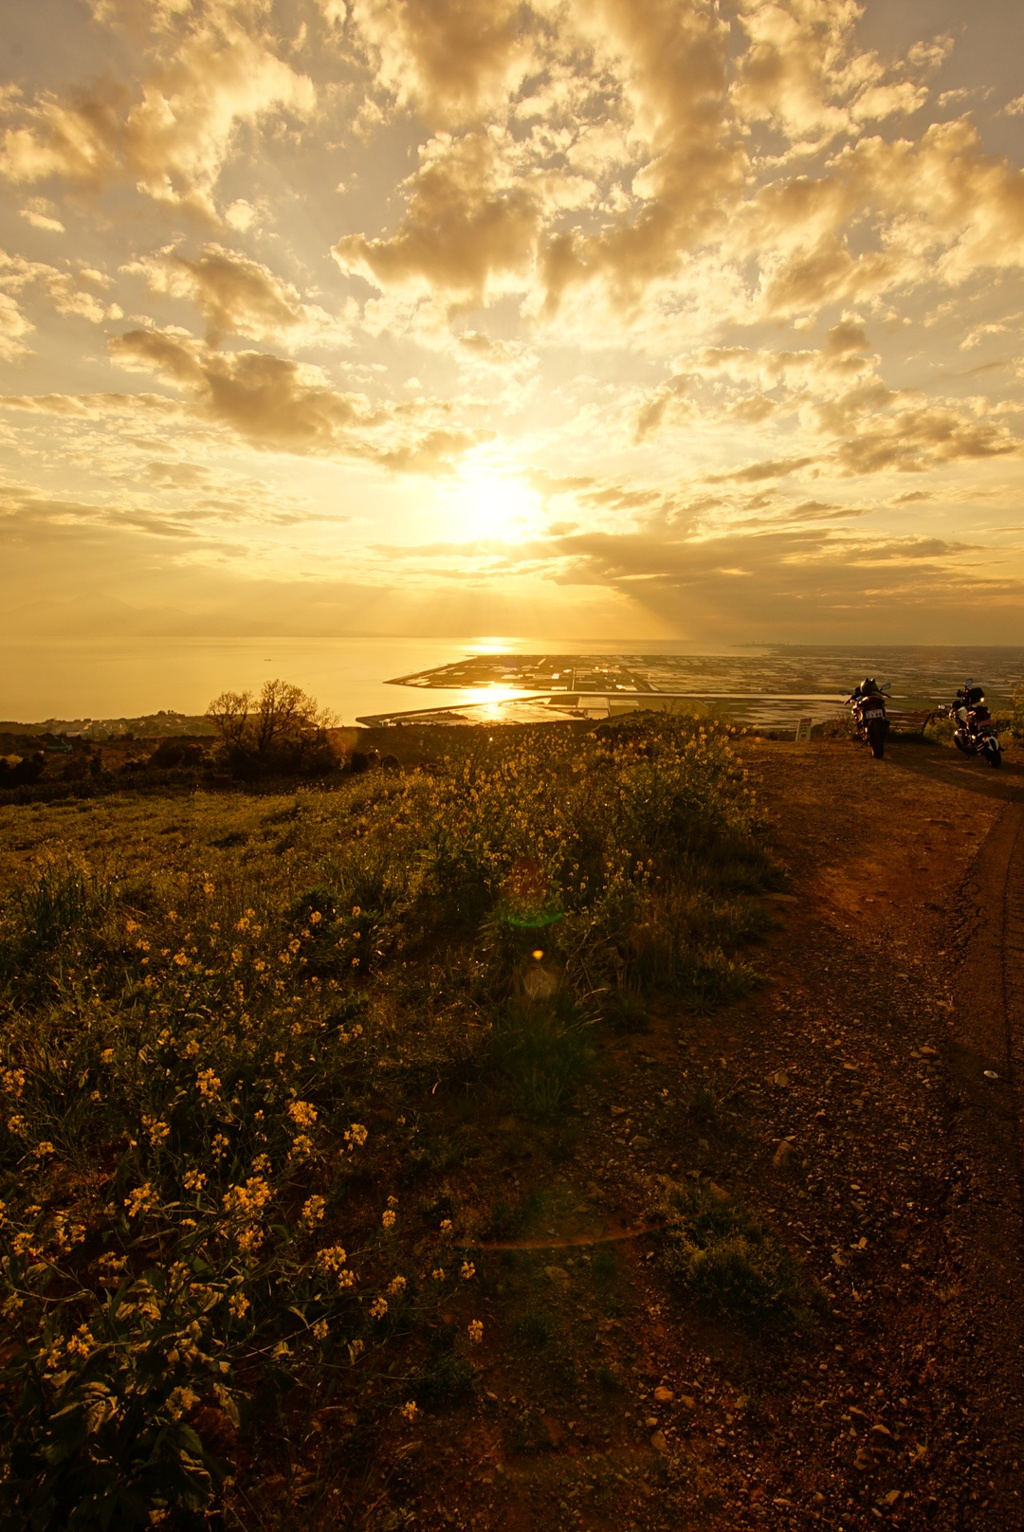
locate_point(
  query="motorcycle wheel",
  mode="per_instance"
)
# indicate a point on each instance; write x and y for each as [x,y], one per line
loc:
[960,745]
[876,738]
[994,754]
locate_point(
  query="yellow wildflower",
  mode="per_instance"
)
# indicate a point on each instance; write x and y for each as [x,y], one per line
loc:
[302,1113]
[313,1211]
[142,1200]
[387,1218]
[209,1085]
[468,1270]
[476,1331]
[410,1410]
[378,1308]
[247,1200]
[396,1287]
[331,1258]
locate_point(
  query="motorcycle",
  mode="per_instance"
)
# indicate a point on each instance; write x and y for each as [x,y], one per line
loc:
[867,703]
[973,729]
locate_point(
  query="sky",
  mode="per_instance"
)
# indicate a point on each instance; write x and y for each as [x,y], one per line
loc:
[610,318]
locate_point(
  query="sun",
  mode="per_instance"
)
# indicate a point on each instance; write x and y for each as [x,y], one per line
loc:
[495,507]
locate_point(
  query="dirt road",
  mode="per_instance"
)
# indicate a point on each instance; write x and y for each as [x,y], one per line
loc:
[864,1104]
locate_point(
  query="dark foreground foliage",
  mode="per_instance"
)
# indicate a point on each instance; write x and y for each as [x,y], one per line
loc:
[224,1192]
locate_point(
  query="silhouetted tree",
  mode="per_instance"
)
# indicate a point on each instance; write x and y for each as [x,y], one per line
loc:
[281,731]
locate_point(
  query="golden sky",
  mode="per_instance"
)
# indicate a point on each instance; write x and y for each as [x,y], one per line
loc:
[609,318]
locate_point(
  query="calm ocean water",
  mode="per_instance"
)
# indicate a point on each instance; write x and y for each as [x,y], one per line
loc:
[125,678]
[114,678]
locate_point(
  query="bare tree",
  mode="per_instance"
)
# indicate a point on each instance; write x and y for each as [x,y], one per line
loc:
[280,730]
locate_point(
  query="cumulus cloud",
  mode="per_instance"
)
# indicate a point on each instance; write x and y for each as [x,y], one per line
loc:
[236,295]
[452,60]
[172,135]
[277,404]
[464,230]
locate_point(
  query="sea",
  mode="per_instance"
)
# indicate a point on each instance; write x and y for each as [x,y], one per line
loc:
[69,679]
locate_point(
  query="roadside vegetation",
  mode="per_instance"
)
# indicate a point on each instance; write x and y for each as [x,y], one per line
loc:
[253,1050]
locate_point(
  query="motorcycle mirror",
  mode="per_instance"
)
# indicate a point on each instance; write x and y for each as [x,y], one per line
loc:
[886,687]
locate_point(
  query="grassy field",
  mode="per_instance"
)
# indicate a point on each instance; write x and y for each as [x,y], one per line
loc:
[255,1055]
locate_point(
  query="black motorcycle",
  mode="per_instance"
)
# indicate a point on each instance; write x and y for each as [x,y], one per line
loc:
[867,703]
[973,729]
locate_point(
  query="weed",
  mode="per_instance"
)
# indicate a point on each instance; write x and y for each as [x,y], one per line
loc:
[626,1009]
[508,1219]
[732,1263]
[540,1051]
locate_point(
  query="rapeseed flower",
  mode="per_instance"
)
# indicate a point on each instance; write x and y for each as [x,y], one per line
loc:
[142,1200]
[312,1211]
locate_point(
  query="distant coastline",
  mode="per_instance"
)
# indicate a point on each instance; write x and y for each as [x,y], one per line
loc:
[107,688]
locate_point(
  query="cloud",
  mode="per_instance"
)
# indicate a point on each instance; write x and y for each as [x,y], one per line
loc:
[755,473]
[60,290]
[947,196]
[465,226]
[452,60]
[14,327]
[673,66]
[280,405]
[97,407]
[42,214]
[235,295]
[171,135]
[799,581]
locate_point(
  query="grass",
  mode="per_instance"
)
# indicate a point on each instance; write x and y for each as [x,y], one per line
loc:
[253,1048]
